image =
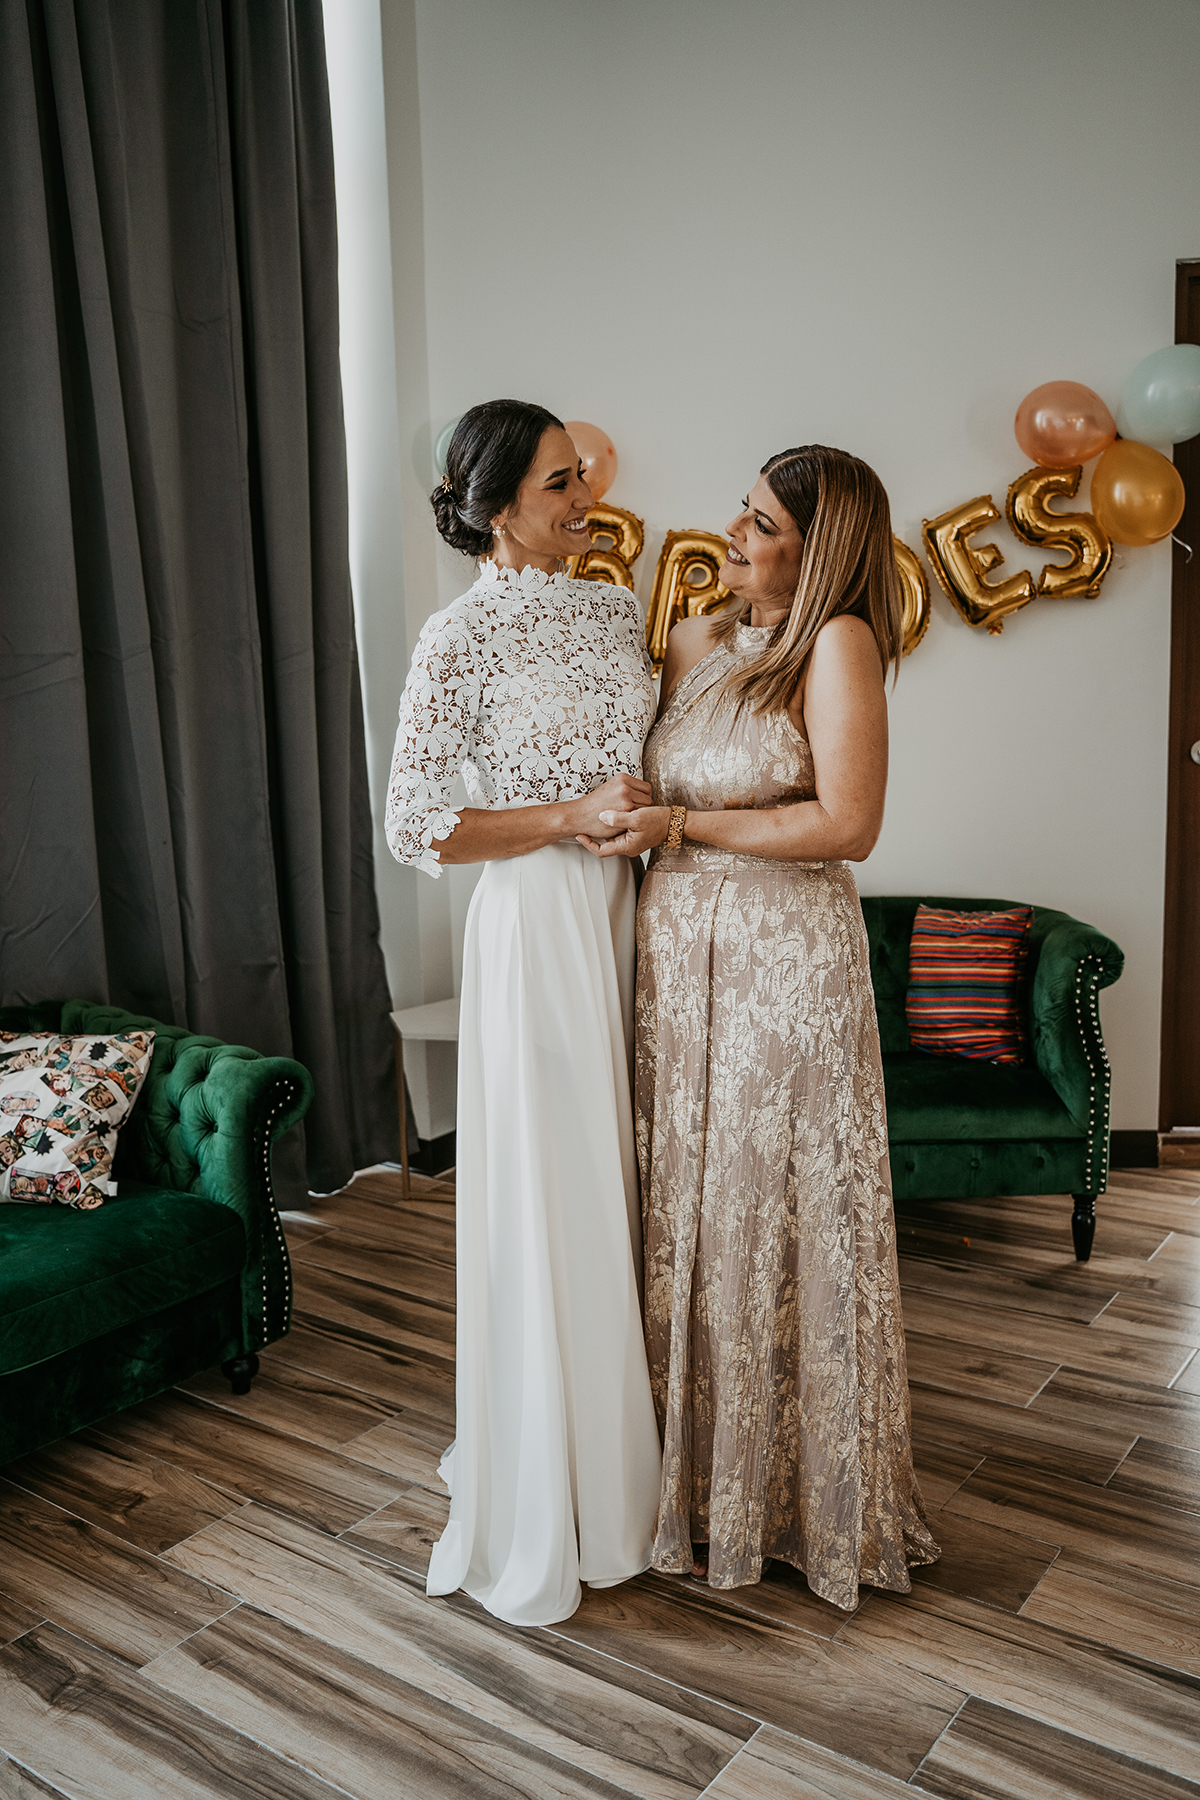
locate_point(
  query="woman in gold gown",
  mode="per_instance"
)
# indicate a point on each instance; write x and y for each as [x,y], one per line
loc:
[773,1320]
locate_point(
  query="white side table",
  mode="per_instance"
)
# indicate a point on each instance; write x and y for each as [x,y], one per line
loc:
[435,1023]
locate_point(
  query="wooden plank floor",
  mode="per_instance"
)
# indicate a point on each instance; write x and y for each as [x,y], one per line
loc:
[210,1598]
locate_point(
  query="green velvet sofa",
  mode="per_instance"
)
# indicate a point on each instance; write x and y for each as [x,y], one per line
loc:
[185,1268]
[962,1129]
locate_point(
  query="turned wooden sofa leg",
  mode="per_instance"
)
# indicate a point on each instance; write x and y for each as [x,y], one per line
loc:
[240,1372]
[1083,1225]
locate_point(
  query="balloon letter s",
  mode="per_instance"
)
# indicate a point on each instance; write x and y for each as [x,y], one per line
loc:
[1033,521]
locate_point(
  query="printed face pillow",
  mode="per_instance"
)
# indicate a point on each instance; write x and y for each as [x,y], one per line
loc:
[61,1101]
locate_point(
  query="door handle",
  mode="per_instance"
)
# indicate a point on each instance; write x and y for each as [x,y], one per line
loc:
[1194,752]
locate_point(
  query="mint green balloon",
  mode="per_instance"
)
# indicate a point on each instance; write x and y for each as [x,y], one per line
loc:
[1160,403]
[442,447]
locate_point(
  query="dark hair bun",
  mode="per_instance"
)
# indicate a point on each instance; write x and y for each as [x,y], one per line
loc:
[490,454]
[454,528]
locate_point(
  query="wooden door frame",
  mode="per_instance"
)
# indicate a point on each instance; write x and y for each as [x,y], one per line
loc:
[1179,1068]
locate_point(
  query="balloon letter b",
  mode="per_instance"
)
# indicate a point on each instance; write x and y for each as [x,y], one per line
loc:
[1032,520]
[602,563]
[960,568]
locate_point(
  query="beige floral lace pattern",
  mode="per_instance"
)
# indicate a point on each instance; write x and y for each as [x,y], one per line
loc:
[773,1320]
[537,687]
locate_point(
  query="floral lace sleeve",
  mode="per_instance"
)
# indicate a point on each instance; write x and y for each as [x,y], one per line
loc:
[635,619]
[433,740]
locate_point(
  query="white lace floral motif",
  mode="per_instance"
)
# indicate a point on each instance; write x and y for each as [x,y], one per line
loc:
[535,686]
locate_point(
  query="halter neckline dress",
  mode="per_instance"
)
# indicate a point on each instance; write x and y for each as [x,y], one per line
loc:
[773,1320]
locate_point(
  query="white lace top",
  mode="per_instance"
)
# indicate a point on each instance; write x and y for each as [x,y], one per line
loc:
[536,686]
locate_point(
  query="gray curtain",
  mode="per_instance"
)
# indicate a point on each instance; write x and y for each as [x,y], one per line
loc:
[184,820]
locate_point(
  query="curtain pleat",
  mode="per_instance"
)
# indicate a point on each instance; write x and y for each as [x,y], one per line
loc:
[188,832]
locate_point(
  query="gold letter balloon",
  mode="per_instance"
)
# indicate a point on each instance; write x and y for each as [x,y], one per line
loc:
[610,560]
[685,583]
[960,566]
[915,588]
[1034,521]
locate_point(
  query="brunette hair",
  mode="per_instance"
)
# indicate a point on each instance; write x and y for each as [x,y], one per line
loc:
[848,565]
[490,454]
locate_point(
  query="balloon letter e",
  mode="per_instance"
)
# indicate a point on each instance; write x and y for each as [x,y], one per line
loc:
[960,568]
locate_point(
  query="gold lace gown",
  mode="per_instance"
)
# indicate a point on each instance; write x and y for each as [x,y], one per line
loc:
[773,1320]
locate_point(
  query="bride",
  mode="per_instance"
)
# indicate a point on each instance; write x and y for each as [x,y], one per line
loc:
[538,689]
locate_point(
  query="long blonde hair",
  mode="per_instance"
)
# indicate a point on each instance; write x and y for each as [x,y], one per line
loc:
[848,565]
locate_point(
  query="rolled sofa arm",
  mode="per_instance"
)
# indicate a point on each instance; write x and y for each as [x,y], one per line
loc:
[1074,962]
[204,1124]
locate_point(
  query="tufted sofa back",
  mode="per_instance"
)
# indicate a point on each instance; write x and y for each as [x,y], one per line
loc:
[178,1133]
[204,1124]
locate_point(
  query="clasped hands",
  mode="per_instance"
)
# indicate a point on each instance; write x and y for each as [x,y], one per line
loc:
[618,819]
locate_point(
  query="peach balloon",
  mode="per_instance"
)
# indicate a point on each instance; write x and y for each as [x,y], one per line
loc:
[1137,495]
[597,453]
[1062,424]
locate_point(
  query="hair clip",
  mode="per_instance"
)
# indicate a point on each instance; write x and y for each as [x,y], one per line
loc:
[447,486]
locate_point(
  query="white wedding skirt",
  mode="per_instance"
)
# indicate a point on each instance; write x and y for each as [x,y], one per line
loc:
[554,1473]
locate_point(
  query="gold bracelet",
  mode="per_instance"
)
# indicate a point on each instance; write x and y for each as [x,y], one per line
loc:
[674,839]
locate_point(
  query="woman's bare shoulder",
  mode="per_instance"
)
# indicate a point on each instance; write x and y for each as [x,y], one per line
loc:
[846,641]
[846,628]
[687,632]
[689,642]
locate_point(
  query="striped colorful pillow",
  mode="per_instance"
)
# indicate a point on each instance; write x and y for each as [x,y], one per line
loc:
[964,983]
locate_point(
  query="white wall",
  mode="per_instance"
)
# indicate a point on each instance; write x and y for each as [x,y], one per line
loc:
[718,230]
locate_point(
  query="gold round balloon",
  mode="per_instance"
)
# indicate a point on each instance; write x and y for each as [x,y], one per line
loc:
[685,584]
[1029,514]
[915,620]
[1137,495]
[610,560]
[961,566]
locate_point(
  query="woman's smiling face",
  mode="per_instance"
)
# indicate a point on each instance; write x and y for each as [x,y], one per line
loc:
[547,518]
[765,548]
